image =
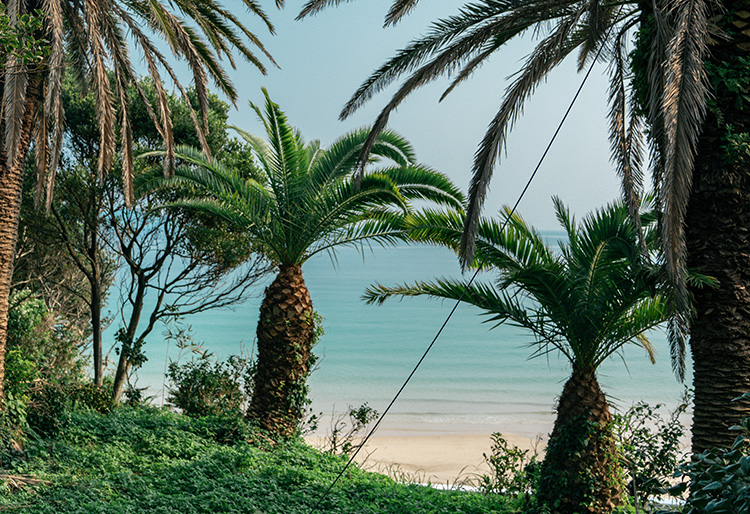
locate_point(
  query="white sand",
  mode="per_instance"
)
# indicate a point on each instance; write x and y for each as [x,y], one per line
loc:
[438,459]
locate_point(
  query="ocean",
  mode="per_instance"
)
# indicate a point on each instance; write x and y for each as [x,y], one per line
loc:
[476,379]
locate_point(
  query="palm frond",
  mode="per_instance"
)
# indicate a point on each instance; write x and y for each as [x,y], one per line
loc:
[42,158]
[684,107]
[14,106]
[383,227]
[421,183]
[398,10]
[339,207]
[315,6]
[466,72]
[657,56]
[53,93]
[548,54]
[342,155]
[449,43]
[624,136]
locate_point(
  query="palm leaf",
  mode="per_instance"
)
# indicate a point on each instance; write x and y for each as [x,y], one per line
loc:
[596,295]
[547,54]
[308,202]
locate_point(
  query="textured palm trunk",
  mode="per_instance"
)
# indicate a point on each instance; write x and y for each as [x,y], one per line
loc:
[285,336]
[579,472]
[718,240]
[11,186]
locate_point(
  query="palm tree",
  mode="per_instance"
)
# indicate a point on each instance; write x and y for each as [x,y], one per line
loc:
[685,52]
[302,202]
[92,38]
[597,294]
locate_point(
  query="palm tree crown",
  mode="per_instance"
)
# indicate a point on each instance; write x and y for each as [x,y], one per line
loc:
[302,200]
[587,300]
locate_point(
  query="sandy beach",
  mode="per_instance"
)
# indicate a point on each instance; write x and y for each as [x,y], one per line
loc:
[435,458]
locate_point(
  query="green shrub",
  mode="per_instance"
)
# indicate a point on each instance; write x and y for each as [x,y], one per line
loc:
[512,471]
[720,478]
[649,448]
[204,387]
[50,403]
[37,349]
[13,425]
[346,428]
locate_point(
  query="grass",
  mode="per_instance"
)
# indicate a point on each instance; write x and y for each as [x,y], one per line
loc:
[137,460]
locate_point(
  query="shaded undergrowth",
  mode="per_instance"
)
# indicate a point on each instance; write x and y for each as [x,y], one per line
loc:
[135,460]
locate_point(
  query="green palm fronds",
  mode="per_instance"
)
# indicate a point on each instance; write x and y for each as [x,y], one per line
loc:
[304,200]
[587,300]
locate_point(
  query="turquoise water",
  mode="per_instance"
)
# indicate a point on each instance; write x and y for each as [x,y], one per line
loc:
[474,379]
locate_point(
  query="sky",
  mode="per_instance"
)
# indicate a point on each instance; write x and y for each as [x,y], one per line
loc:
[323,60]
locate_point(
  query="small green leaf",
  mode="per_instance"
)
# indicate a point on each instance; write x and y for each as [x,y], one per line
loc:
[713,486]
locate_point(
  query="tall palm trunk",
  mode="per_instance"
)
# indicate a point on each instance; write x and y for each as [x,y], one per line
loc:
[11,188]
[581,440]
[718,242]
[285,334]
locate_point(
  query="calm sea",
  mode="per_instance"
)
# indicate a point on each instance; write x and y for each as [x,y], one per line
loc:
[476,378]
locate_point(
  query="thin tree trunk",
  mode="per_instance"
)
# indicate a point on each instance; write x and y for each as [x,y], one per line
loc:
[718,240]
[96,324]
[123,368]
[124,363]
[579,472]
[11,188]
[95,258]
[285,334]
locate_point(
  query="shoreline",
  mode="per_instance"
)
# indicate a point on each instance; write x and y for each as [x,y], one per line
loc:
[445,454]
[436,455]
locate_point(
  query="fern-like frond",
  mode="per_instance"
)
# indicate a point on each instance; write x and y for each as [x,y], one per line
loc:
[547,54]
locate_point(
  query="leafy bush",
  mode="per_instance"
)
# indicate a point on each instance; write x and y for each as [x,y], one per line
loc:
[204,387]
[343,435]
[13,423]
[649,447]
[37,349]
[720,478]
[512,471]
[51,402]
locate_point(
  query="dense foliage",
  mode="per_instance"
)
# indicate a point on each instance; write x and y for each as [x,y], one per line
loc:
[204,386]
[719,479]
[650,448]
[144,460]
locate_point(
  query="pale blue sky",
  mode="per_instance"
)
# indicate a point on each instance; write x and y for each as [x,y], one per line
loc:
[326,57]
